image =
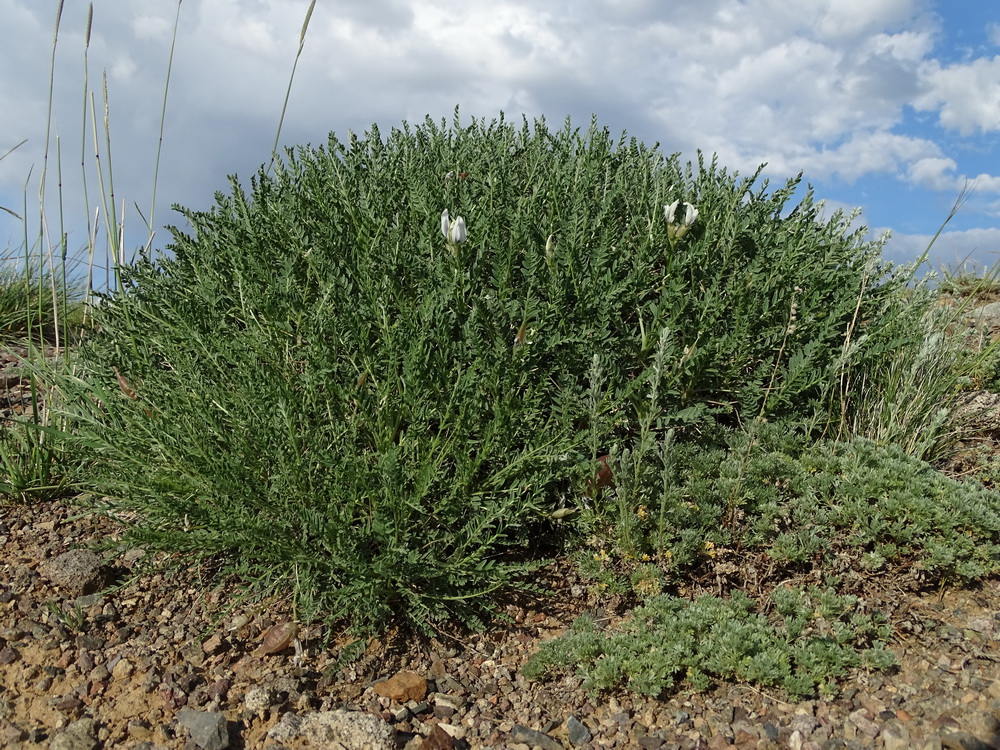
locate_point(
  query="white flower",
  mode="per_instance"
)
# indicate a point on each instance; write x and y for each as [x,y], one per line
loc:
[674,230]
[453,231]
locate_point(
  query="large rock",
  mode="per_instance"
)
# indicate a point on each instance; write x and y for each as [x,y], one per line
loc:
[335,730]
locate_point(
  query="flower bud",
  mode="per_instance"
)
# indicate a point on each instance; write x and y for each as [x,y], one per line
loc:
[458,233]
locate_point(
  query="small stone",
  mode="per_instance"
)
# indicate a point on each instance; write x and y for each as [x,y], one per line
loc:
[85,661]
[578,732]
[219,689]
[895,736]
[945,723]
[89,642]
[259,699]
[327,728]
[403,686]
[8,655]
[122,670]
[442,711]
[213,645]
[139,730]
[865,725]
[80,735]
[446,699]
[804,724]
[208,729]
[88,600]
[69,704]
[79,571]
[533,738]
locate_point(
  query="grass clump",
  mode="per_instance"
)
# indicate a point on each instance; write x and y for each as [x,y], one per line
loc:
[39,314]
[812,636]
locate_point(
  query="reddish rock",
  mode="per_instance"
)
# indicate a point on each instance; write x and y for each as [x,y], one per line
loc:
[402,687]
[438,739]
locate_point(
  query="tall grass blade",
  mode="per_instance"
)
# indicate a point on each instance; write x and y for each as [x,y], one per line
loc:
[163,117]
[291,78]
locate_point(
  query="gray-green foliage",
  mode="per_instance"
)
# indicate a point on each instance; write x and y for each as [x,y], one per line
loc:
[804,501]
[334,402]
[812,637]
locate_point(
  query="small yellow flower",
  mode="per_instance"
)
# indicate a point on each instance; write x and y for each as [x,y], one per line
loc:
[642,512]
[710,549]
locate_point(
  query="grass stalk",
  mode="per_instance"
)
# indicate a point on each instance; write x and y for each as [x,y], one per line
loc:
[291,78]
[163,116]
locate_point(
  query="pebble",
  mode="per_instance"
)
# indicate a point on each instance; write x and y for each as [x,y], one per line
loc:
[578,732]
[533,738]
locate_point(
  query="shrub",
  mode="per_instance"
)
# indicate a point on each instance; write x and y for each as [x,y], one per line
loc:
[319,389]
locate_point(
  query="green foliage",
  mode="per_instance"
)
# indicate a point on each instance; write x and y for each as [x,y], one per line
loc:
[323,393]
[31,463]
[802,502]
[814,636]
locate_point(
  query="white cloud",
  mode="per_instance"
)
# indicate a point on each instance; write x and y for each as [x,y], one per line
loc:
[873,152]
[952,249]
[966,95]
[939,174]
[853,18]
[152,27]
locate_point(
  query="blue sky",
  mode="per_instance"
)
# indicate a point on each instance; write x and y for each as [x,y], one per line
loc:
[889,105]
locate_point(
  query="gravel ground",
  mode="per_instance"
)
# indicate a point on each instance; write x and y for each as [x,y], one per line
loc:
[173,660]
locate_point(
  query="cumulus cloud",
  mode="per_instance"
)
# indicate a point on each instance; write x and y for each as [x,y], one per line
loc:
[973,249]
[966,96]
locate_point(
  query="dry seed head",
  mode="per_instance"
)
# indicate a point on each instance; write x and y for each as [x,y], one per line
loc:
[124,385]
[90,23]
[305,24]
[59,11]
[522,334]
